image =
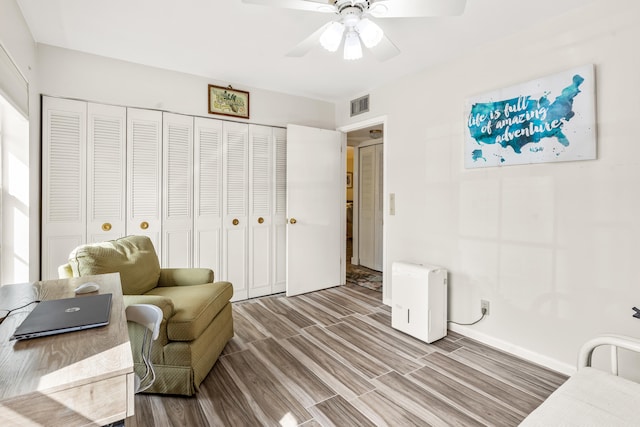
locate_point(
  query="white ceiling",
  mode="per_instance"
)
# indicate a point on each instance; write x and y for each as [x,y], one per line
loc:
[244,45]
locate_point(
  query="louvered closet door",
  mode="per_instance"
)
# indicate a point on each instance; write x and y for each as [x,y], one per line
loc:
[279,212]
[106,160]
[144,174]
[64,136]
[379,207]
[370,219]
[234,222]
[177,218]
[208,194]
[367,207]
[260,213]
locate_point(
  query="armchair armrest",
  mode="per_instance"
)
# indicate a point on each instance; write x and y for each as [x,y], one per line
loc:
[185,276]
[615,341]
[165,304]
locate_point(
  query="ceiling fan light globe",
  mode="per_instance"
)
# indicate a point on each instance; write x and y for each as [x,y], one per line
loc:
[352,47]
[332,36]
[370,33]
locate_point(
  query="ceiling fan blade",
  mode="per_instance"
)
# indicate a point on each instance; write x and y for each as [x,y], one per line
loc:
[385,50]
[416,8]
[309,5]
[309,43]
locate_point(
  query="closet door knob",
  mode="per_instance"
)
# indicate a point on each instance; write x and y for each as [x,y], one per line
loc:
[106,226]
[235,221]
[292,221]
[260,220]
[144,225]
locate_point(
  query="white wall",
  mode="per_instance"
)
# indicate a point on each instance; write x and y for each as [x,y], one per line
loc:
[555,248]
[16,38]
[73,74]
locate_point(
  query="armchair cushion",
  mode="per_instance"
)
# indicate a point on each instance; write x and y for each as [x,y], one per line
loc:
[195,307]
[133,256]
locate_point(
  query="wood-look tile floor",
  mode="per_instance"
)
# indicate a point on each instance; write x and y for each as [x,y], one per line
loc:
[331,358]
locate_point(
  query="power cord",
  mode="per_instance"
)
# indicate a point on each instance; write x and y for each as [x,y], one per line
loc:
[484,313]
[8,312]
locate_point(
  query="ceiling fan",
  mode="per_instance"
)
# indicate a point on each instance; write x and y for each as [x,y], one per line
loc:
[354,26]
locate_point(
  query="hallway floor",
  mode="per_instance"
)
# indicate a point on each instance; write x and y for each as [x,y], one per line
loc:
[362,276]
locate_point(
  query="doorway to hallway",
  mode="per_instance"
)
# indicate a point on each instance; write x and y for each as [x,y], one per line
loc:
[364,207]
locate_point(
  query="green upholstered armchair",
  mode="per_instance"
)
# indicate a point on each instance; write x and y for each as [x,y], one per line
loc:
[197,321]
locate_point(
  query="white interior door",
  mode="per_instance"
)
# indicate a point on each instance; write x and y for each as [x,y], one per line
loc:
[366,223]
[370,219]
[315,203]
[378,265]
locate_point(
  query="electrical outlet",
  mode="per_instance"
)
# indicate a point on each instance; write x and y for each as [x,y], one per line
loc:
[484,306]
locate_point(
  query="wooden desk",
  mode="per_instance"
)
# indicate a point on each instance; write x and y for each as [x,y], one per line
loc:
[73,379]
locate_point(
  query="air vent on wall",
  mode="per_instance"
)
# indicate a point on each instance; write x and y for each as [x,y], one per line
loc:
[360,105]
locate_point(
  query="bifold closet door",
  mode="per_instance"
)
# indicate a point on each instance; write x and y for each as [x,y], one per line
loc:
[64,207]
[207,226]
[106,168]
[379,208]
[177,191]
[279,216]
[144,174]
[260,211]
[370,207]
[235,207]
[209,193]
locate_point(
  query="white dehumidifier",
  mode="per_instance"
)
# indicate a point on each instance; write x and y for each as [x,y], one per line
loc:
[419,300]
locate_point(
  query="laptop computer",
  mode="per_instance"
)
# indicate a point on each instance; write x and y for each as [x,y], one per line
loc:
[57,316]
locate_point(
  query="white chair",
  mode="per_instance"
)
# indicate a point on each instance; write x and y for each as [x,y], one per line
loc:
[149,316]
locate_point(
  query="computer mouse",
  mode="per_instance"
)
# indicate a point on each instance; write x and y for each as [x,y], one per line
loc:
[85,288]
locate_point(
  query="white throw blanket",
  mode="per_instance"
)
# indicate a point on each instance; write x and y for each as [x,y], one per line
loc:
[590,398]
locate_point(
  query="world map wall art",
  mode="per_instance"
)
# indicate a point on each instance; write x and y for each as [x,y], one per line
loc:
[551,119]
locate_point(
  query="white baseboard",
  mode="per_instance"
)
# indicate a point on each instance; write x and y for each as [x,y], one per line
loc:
[524,353]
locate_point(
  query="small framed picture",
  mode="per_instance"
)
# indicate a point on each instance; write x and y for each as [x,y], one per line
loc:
[349,180]
[228,101]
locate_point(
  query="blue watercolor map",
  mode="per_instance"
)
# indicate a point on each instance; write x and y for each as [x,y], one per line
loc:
[515,127]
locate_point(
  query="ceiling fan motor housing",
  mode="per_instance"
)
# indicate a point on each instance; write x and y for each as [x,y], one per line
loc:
[351,11]
[351,6]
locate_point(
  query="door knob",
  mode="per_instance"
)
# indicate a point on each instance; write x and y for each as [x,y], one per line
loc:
[260,220]
[235,221]
[106,226]
[292,221]
[144,225]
